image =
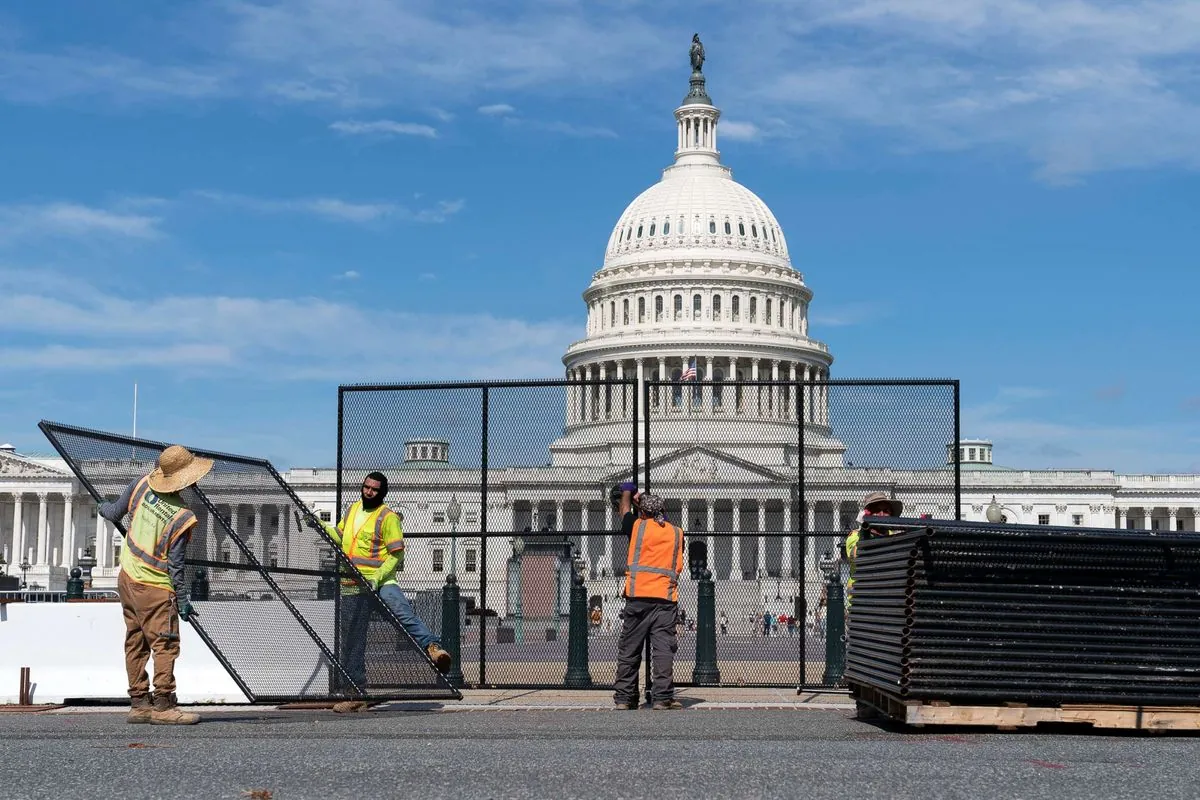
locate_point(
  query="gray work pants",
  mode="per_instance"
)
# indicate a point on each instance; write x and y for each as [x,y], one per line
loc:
[655,621]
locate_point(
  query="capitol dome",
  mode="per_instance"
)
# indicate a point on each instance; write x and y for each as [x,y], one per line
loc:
[696,209]
[696,276]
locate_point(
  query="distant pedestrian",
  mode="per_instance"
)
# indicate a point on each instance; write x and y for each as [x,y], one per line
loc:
[724,624]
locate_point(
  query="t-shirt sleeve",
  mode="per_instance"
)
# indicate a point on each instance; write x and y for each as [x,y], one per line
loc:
[393,535]
[627,524]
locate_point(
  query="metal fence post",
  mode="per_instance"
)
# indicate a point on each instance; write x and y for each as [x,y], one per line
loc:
[451,633]
[835,629]
[483,537]
[706,670]
[577,676]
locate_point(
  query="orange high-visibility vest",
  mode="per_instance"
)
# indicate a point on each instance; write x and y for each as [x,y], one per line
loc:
[654,561]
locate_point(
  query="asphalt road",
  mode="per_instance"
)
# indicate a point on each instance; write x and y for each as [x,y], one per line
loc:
[572,754]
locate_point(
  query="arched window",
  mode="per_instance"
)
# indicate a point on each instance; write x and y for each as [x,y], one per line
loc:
[779,321]
[718,390]
[612,314]
[658,308]
[625,311]
[728,230]
[741,229]
[641,309]
[716,308]
[639,231]
[753,310]
[678,307]
[712,226]
[629,233]
[696,306]
[682,226]
[754,231]
[651,228]
[735,310]
[773,235]
[667,228]
[767,315]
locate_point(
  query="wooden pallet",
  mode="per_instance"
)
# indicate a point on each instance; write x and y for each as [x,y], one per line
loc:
[1010,716]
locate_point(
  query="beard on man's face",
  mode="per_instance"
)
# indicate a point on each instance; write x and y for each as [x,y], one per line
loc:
[372,503]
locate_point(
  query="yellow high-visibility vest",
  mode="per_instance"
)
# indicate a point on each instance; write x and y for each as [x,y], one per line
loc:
[159,520]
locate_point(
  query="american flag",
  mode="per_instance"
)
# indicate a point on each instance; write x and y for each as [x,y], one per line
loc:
[689,374]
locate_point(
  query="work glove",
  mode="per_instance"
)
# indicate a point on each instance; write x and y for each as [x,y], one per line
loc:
[186,611]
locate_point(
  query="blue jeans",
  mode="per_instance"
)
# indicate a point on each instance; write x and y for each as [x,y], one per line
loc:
[355,619]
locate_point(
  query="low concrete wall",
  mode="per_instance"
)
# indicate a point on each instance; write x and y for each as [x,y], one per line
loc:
[76,650]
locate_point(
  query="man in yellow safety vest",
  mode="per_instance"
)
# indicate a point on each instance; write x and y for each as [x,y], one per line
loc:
[372,539]
[151,585]
[876,504]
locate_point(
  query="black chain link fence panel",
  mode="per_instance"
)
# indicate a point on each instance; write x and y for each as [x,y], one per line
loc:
[551,450]
[772,498]
[771,475]
[269,581]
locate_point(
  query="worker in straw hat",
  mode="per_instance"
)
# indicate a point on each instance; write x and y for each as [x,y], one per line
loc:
[151,585]
[876,504]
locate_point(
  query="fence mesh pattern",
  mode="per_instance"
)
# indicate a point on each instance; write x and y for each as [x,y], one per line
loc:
[507,485]
[265,582]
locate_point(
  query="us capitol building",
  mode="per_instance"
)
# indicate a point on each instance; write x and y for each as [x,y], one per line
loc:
[697,267]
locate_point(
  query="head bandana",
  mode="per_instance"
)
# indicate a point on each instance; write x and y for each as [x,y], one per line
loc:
[652,506]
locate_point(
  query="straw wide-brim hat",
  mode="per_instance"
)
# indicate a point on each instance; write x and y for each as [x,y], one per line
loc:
[178,468]
[882,497]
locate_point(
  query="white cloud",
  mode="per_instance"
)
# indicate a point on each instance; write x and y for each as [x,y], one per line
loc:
[86,328]
[336,209]
[496,110]
[74,219]
[348,275]
[739,131]
[385,127]
[562,128]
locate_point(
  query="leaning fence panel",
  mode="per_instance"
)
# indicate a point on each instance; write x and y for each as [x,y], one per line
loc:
[264,581]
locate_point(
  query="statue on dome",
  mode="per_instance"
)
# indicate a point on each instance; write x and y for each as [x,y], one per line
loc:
[697,53]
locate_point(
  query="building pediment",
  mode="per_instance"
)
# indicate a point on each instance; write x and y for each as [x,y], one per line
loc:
[14,466]
[697,464]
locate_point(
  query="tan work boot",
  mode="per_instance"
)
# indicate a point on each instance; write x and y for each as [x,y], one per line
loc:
[166,712]
[666,705]
[441,659]
[139,710]
[350,706]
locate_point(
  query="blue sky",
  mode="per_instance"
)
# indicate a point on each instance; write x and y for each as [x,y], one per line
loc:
[239,205]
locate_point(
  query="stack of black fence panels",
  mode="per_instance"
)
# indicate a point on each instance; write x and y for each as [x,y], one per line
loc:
[974,612]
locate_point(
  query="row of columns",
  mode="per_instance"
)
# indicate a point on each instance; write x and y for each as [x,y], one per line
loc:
[1125,517]
[41,554]
[598,549]
[597,402]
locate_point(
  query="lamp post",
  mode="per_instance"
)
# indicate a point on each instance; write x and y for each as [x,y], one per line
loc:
[86,562]
[518,547]
[453,514]
[995,511]
[24,565]
[835,622]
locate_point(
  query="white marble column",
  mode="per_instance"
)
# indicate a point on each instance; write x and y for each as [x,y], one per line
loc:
[1172,515]
[1120,517]
[103,544]
[757,389]
[787,540]
[603,396]
[19,538]
[735,556]
[43,545]
[734,391]
[68,555]
[588,401]
[762,540]
[707,395]
[626,407]
[641,390]
[775,391]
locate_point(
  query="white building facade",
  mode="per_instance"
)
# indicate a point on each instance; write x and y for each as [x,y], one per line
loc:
[696,274]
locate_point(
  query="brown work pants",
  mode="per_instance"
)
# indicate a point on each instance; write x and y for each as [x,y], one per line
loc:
[149,613]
